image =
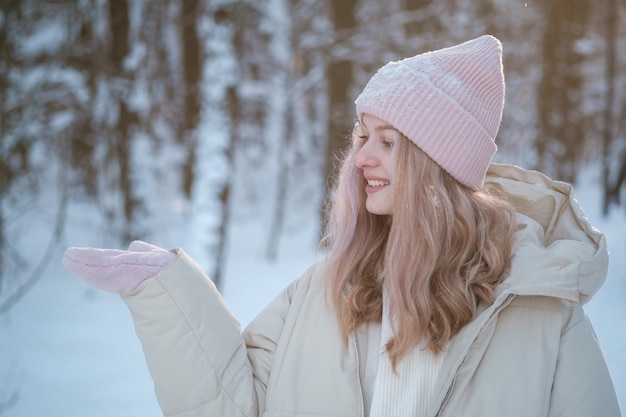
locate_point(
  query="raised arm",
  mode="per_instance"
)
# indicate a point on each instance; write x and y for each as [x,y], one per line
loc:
[192,343]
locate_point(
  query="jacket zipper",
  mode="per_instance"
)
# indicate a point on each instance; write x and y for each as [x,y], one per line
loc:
[495,313]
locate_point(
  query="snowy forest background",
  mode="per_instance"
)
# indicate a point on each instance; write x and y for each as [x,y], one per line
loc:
[174,120]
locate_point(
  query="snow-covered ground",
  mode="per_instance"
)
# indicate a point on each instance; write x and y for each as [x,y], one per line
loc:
[68,350]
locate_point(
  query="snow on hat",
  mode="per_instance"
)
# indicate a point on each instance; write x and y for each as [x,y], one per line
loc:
[448,102]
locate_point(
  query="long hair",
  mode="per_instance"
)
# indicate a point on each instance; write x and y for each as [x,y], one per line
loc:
[442,252]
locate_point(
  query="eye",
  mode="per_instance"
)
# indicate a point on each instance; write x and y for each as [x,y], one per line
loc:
[387,143]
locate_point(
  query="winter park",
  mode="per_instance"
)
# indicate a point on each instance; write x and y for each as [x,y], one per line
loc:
[217,127]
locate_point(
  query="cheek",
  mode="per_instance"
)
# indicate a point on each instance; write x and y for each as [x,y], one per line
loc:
[388,163]
[386,160]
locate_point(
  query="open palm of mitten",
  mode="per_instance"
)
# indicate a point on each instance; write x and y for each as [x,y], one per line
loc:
[114,270]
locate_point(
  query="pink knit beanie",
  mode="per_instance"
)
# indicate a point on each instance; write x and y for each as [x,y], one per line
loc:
[448,102]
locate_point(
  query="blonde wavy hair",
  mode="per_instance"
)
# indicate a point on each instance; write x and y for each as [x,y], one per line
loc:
[443,251]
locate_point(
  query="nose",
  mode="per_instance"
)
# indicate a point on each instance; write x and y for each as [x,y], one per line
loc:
[365,157]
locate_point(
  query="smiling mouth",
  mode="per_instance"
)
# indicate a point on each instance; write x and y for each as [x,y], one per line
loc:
[377,183]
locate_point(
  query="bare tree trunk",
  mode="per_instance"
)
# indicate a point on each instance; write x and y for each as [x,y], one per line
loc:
[560,90]
[123,149]
[278,116]
[212,186]
[192,71]
[278,215]
[4,167]
[234,111]
[341,110]
[119,27]
[607,137]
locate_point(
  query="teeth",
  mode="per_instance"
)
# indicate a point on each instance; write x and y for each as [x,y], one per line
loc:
[376,183]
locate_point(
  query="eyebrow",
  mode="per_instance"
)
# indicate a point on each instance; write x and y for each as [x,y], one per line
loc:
[385,127]
[378,128]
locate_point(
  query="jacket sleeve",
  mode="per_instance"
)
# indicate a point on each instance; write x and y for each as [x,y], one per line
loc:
[582,384]
[262,336]
[193,347]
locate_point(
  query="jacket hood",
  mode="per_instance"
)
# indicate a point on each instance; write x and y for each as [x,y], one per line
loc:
[557,252]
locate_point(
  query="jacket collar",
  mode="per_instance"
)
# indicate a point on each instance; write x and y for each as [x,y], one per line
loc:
[557,252]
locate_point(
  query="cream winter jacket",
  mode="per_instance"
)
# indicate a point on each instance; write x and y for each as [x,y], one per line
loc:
[531,353]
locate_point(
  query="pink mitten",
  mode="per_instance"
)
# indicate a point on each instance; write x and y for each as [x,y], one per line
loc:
[117,271]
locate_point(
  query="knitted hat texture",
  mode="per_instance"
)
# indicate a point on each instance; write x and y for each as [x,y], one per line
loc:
[448,102]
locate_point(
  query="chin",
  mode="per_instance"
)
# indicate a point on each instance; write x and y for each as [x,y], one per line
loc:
[380,203]
[380,211]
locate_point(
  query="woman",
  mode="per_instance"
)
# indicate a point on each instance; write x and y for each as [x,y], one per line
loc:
[452,286]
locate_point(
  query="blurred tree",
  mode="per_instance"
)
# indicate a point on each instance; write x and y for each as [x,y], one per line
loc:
[34,120]
[611,188]
[279,121]
[417,27]
[191,89]
[126,120]
[278,131]
[33,115]
[561,133]
[216,25]
[339,77]
[14,161]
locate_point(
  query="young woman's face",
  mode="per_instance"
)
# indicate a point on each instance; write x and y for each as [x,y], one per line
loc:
[375,159]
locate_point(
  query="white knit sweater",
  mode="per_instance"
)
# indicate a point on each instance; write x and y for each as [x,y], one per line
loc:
[405,393]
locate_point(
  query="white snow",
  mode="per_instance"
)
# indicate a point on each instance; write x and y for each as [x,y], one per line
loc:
[69,350]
